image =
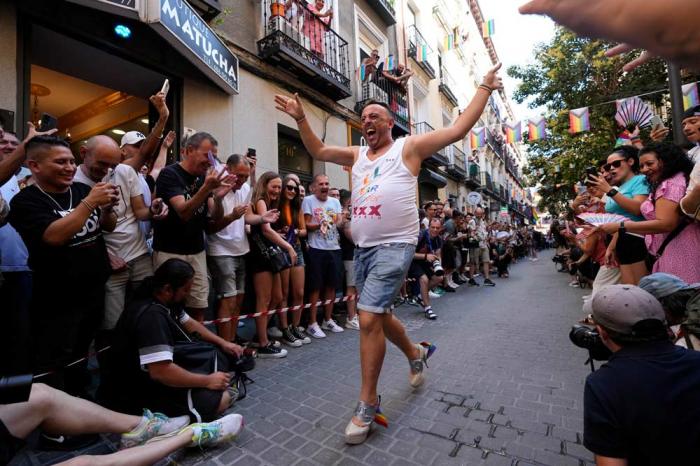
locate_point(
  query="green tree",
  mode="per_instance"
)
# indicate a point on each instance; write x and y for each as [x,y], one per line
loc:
[568,73]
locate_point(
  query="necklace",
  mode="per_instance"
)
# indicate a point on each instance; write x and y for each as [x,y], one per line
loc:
[70,201]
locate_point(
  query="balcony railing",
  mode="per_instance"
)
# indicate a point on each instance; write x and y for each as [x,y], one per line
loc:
[438,159]
[458,163]
[448,87]
[488,183]
[379,89]
[302,42]
[420,51]
[495,144]
[474,174]
[385,9]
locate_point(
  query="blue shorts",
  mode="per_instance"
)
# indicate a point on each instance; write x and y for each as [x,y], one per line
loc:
[379,273]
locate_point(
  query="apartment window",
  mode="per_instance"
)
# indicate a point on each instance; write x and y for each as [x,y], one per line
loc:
[292,156]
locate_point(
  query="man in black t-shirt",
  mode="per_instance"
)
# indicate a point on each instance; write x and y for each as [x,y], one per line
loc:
[185,187]
[147,365]
[61,223]
[426,267]
[642,406]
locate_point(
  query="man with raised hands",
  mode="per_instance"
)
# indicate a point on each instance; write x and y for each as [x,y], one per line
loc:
[385,229]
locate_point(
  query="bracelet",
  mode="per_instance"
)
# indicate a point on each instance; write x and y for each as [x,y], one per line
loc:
[486,88]
[88,205]
[301,119]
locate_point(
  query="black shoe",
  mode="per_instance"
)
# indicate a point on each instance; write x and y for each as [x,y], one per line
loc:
[488,282]
[271,352]
[289,339]
[448,289]
[429,314]
[472,282]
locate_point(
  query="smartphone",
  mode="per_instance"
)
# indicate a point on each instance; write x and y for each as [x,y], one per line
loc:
[166,87]
[251,153]
[212,160]
[582,188]
[657,122]
[591,171]
[48,122]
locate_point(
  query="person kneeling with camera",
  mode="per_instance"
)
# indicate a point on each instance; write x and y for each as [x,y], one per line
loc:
[426,267]
[163,359]
[642,406]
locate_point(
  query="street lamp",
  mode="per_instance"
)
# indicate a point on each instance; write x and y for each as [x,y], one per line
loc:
[675,84]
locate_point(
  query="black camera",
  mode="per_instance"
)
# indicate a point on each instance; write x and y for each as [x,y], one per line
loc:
[15,388]
[588,338]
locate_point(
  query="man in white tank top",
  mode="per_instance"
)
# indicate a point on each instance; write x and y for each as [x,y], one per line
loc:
[385,229]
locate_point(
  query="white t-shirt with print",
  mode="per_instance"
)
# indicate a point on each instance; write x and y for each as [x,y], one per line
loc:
[232,240]
[326,237]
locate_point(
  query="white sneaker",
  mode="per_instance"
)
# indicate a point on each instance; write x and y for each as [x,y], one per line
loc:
[452,284]
[332,326]
[463,277]
[214,433]
[433,295]
[274,332]
[315,331]
[353,324]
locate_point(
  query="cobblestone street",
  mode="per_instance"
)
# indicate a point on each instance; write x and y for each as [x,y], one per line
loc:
[505,387]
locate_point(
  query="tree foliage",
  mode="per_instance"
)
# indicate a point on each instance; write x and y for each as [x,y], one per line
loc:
[568,73]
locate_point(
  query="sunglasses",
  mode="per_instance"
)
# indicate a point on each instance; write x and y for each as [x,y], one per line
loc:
[291,187]
[614,164]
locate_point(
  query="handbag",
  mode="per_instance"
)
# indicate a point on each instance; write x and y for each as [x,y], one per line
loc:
[652,258]
[278,259]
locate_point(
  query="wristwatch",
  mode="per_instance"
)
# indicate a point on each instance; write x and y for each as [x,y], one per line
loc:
[622,227]
[613,192]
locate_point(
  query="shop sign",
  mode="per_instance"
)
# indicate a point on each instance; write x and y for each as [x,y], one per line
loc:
[182,26]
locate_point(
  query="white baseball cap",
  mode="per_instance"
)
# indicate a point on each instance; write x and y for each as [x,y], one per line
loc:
[132,137]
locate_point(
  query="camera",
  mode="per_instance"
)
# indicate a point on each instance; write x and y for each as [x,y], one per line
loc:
[588,338]
[437,268]
[15,388]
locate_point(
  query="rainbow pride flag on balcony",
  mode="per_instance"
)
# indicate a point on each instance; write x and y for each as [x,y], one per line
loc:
[422,53]
[690,96]
[450,41]
[579,120]
[488,28]
[514,133]
[390,63]
[537,129]
[477,137]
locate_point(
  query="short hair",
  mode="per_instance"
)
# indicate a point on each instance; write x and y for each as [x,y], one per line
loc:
[37,145]
[384,105]
[428,205]
[235,160]
[344,195]
[197,139]
[319,175]
[644,331]
[435,219]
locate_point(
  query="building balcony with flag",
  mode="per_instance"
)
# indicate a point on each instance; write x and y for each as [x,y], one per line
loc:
[474,175]
[439,158]
[457,166]
[302,42]
[420,51]
[495,144]
[379,89]
[448,86]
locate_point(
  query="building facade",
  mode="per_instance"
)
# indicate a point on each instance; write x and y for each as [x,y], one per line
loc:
[93,63]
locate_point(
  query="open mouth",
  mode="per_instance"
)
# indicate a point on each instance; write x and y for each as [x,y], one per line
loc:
[370,132]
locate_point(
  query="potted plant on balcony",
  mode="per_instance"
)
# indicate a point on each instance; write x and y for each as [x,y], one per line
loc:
[277,8]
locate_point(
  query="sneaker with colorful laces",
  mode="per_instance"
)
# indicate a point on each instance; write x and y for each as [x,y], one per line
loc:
[417,377]
[152,425]
[213,433]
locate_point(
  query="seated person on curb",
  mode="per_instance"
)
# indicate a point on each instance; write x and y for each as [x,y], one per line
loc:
[642,406]
[58,413]
[156,362]
[426,267]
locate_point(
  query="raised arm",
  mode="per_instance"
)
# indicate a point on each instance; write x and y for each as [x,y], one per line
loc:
[148,148]
[421,147]
[318,149]
[10,164]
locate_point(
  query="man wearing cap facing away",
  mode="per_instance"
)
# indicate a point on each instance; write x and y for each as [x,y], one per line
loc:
[642,406]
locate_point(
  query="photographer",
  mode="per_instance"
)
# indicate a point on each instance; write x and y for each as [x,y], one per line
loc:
[39,406]
[642,406]
[426,267]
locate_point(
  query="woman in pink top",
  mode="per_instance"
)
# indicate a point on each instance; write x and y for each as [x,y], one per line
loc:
[315,26]
[667,169]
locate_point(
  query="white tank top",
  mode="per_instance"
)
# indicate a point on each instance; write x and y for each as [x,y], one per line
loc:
[384,199]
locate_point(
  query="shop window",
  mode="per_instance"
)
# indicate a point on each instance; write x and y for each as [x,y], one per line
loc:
[292,156]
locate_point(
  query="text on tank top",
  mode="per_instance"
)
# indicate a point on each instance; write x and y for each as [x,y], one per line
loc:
[384,199]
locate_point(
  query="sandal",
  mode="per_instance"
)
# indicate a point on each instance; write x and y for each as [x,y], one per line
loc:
[429,314]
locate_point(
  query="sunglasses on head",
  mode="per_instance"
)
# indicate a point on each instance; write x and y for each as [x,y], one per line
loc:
[614,164]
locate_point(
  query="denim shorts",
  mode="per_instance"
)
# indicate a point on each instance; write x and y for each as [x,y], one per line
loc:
[379,273]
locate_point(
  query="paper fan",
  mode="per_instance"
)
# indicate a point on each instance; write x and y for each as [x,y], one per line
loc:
[633,112]
[601,219]
[502,235]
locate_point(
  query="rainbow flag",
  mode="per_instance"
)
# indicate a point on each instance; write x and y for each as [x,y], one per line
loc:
[514,133]
[450,41]
[362,72]
[690,96]
[422,53]
[477,137]
[390,63]
[537,129]
[579,120]
[488,28]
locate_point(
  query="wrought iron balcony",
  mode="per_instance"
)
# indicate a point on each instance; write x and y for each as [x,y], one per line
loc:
[385,9]
[474,174]
[495,144]
[301,41]
[488,183]
[380,89]
[420,51]
[438,159]
[448,87]
[458,163]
